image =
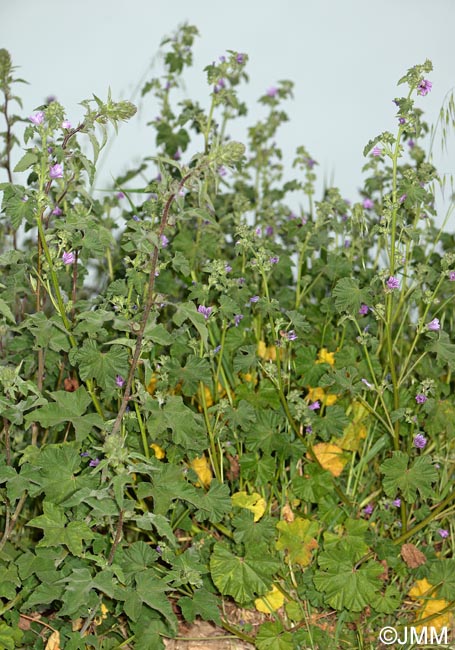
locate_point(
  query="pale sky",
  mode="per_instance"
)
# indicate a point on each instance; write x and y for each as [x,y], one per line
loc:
[344,56]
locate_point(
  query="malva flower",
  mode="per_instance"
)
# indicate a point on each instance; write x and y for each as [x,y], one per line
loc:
[424,87]
[205,311]
[367,204]
[237,319]
[240,58]
[434,325]
[120,195]
[402,121]
[368,509]
[420,442]
[254,299]
[66,124]
[56,171]
[94,463]
[68,258]
[119,381]
[396,503]
[57,211]
[314,406]
[274,260]
[228,268]
[272,91]
[393,283]
[363,311]
[421,398]
[452,276]
[37,118]
[442,532]
[402,198]
[164,241]
[377,151]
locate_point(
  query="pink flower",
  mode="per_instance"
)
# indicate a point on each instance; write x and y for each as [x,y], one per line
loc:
[68,258]
[367,204]
[452,276]
[272,91]
[424,87]
[377,151]
[66,124]
[56,171]
[434,325]
[37,118]
[393,283]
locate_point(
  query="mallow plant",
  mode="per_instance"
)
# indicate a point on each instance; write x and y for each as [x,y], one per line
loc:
[222,397]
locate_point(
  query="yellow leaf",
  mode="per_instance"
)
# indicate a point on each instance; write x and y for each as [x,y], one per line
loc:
[424,593]
[330,457]
[356,430]
[202,468]
[318,393]
[266,353]
[53,642]
[297,538]
[159,451]
[252,502]
[152,384]
[324,356]
[272,601]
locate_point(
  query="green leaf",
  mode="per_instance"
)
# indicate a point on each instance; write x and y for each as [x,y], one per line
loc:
[243,578]
[297,538]
[68,407]
[187,426]
[9,636]
[26,161]
[442,574]
[214,504]
[102,366]
[203,603]
[57,532]
[408,480]
[194,371]
[272,636]
[6,311]
[348,296]
[152,591]
[187,311]
[444,349]
[345,585]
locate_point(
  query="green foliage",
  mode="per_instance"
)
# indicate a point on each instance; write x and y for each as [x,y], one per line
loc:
[209,396]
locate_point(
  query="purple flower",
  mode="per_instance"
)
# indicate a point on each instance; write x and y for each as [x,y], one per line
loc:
[310,163]
[364,309]
[274,260]
[368,509]
[177,155]
[434,325]
[402,198]
[56,171]
[411,144]
[164,241]
[291,335]
[309,430]
[237,319]
[443,533]
[95,462]
[222,59]
[292,216]
[254,299]
[269,231]
[452,276]
[272,91]
[396,503]
[66,124]
[420,441]
[57,211]
[228,268]
[367,204]
[393,283]
[377,151]
[424,87]
[37,118]
[120,195]
[135,217]
[421,398]
[84,453]
[205,311]
[240,58]
[401,121]
[68,258]
[315,406]
[222,171]
[119,381]
[217,349]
